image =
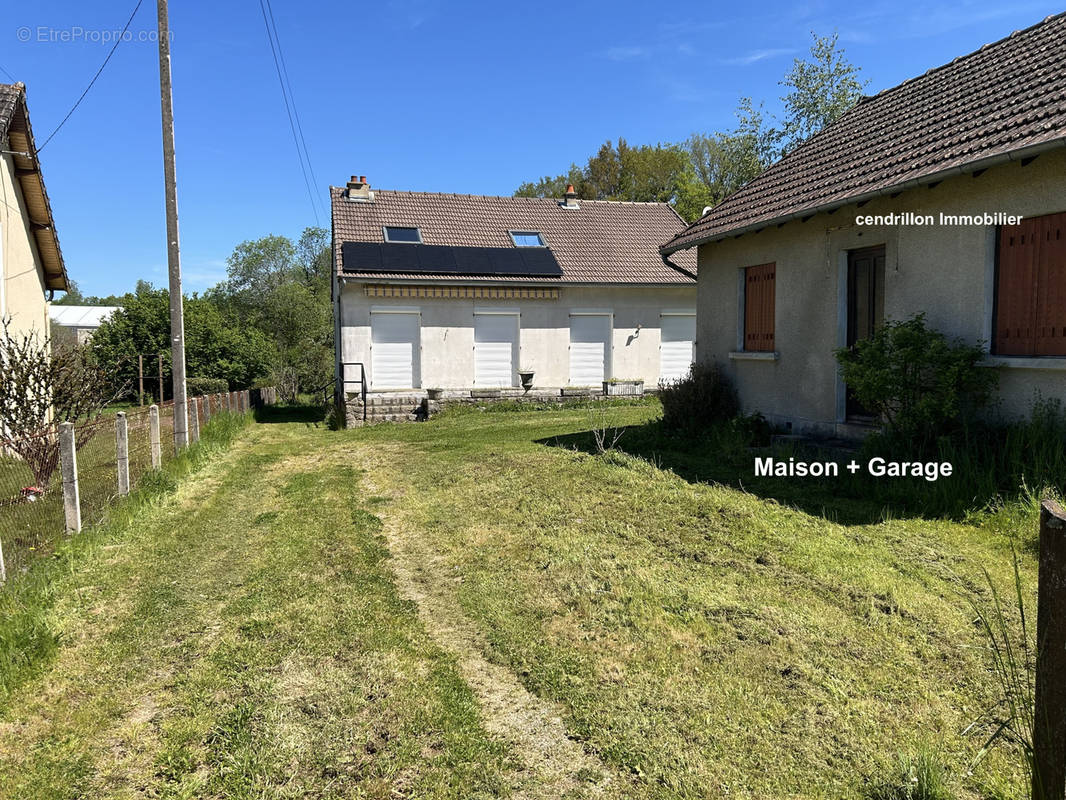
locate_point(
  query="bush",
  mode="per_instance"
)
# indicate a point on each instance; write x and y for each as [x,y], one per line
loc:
[921,384]
[196,387]
[703,399]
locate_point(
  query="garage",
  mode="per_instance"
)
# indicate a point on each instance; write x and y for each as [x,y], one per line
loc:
[590,348]
[394,349]
[495,348]
[677,350]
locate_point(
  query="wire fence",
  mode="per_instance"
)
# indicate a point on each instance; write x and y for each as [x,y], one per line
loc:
[33,518]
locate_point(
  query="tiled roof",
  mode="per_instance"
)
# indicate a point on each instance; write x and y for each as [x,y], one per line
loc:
[600,242]
[1009,97]
[9,96]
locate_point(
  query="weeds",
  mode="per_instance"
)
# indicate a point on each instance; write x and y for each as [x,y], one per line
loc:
[917,777]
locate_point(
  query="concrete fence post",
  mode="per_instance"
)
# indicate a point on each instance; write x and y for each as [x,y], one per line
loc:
[68,460]
[247,400]
[225,400]
[207,408]
[122,453]
[1049,734]
[153,434]
[194,419]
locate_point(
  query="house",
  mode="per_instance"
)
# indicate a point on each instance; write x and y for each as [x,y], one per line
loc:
[79,322]
[31,263]
[903,205]
[457,292]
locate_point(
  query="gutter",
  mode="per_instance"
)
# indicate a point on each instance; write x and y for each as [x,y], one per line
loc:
[933,177]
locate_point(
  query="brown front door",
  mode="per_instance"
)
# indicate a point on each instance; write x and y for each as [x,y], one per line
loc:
[866,308]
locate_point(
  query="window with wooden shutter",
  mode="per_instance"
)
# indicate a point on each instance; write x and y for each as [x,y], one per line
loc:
[1031,288]
[759,282]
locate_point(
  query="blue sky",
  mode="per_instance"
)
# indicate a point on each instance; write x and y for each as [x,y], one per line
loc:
[415,94]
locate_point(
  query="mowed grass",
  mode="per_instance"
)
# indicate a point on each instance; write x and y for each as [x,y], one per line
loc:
[246,639]
[704,640]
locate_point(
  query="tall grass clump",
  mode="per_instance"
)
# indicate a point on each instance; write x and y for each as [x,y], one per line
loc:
[1012,653]
[917,777]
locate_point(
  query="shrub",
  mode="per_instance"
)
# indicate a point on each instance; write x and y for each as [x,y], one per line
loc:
[196,387]
[920,383]
[703,399]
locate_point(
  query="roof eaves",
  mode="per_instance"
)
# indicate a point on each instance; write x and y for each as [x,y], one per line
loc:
[680,242]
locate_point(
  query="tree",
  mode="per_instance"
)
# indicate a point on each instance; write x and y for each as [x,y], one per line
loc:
[217,344]
[41,384]
[821,90]
[282,290]
[554,187]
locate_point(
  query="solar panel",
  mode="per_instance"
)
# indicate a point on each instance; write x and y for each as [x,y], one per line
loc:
[426,259]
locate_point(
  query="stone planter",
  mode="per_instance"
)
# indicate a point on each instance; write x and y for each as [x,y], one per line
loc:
[623,388]
[434,394]
[527,379]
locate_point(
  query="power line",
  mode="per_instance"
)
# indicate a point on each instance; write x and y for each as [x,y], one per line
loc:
[295,110]
[8,74]
[114,47]
[288,111]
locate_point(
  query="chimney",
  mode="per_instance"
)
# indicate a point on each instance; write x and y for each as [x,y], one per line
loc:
[359,189]
[571,198]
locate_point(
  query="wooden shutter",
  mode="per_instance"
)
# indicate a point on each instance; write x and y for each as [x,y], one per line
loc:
[1031,288]
[759,292]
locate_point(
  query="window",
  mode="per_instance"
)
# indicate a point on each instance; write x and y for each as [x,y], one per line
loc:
[527,239]
[1030,302]
[759,282]
[403,234]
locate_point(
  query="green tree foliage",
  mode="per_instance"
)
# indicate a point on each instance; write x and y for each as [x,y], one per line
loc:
[821,89]
[706,168]
[281,288]
[217,345]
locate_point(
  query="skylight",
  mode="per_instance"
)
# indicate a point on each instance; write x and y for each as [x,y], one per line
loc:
[527,239]
[408,235]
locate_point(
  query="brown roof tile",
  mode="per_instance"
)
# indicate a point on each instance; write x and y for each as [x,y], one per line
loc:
[1006,97]
[601,242]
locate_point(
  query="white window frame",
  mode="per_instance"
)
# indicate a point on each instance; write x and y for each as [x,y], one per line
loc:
[520,232]
[415,228]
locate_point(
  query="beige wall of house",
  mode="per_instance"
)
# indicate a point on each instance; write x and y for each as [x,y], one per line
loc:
[946,272]
[22,292]
[447,332]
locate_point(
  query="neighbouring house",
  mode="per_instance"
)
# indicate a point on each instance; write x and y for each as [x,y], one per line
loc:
[459,292]
[31,263]
[79,322]
[846,231]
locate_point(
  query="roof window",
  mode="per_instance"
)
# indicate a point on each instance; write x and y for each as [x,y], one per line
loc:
[527,239]
[407,235]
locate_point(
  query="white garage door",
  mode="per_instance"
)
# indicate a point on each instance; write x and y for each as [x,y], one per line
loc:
[678,349]
[394,350]
[495,349]
[590,349]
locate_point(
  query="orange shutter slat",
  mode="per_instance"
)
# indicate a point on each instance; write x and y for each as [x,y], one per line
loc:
[759,282]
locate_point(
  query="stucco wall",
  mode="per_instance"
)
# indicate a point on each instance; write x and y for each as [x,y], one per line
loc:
[447,333]
[23,294]
[946,272]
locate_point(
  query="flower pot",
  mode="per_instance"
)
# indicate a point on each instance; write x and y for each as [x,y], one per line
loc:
[527,380]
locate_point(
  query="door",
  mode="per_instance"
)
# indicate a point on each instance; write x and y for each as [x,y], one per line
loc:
[590,349]
[495,349]
[394,350]
[866,308]
[677,349]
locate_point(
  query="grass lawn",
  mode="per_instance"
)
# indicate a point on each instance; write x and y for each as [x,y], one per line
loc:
[322,614]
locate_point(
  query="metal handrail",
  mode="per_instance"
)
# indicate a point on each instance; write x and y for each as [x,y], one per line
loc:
[362,381]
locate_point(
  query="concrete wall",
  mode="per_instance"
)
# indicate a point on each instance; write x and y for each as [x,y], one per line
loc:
[22,292]
[946,272]
[447,333]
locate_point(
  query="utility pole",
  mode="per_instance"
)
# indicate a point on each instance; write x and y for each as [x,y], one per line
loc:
[177,319]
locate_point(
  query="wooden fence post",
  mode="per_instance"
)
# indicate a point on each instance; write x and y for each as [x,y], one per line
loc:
[194,419]
[1049,734]
[122,453]
[153,435]
[69,465]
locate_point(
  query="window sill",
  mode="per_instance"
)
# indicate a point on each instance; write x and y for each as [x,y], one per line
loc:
[754,355]
[1025,362]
